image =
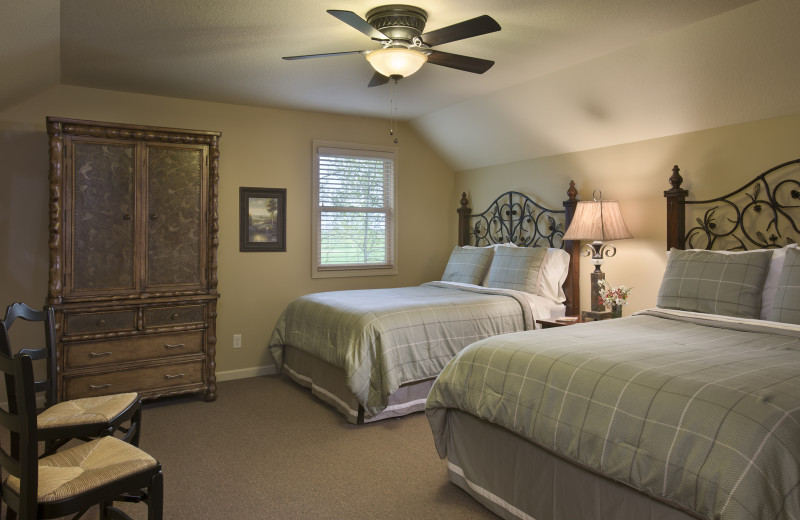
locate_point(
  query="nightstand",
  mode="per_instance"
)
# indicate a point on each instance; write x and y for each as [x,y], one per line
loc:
[587,316]
[551,323]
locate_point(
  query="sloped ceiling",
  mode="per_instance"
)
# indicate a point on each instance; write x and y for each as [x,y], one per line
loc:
[569,74]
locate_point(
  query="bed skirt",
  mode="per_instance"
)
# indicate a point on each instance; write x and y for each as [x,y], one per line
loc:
[327,382]
[516,479]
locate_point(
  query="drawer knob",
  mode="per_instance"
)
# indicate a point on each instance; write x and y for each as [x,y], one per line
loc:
[101,322]
[175,316]
[174,345]
[173,376]
[98,387]
[126,216]
[99,354]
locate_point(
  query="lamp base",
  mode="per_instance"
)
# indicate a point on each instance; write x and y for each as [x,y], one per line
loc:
[596,276]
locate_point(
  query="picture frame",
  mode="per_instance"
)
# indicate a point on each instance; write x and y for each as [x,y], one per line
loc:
[262,219]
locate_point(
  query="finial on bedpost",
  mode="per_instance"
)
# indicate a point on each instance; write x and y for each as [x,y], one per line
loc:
[676,178]
[676,216]
[572,193]
[463,220]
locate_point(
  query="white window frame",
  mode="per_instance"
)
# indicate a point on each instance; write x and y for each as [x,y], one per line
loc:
[355,150]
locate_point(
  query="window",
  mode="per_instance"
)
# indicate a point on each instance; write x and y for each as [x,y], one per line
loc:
[353,210]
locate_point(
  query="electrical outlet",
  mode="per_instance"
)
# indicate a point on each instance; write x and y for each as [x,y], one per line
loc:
[237,341]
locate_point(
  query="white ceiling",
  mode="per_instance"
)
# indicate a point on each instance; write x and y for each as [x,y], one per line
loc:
[569,74]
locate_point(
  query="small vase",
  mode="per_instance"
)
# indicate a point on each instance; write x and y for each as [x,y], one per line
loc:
[616,311]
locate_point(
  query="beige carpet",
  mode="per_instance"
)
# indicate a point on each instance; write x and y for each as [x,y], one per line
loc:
[268,449]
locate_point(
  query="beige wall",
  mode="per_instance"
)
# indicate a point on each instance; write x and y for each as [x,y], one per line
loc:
[713,162]
[259,148]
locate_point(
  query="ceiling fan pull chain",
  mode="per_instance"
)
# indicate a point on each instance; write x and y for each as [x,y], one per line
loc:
[393,111]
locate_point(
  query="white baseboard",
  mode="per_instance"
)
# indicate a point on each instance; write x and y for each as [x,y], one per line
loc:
[228,375]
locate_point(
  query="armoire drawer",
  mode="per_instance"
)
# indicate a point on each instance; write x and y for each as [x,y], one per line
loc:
[171,316]
[96,322]
[150,379]
[135,348]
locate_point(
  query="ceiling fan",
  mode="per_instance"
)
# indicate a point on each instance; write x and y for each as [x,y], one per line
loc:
[404,48]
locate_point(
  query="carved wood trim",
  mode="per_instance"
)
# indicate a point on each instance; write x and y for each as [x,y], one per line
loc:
[213,212]
[56,144]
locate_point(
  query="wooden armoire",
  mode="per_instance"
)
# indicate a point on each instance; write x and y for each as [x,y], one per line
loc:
[133,258]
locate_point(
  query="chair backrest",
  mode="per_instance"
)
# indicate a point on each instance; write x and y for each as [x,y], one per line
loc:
[20,311]
[22,460]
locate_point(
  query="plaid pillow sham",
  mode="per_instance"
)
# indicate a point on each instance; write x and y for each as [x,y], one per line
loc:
[516,268]
[714,283]
[467,265]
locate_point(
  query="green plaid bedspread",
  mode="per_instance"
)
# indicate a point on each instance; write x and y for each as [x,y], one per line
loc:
[384,338]
[706,417]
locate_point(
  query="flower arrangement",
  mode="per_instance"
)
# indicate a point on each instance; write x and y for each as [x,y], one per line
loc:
[612,296]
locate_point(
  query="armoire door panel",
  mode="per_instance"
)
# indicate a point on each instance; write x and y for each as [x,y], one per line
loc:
[103,217]
[175,218]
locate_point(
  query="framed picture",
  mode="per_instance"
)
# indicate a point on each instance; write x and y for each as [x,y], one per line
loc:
[262,219]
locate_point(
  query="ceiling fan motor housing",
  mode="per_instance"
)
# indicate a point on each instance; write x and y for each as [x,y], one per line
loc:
[398,22]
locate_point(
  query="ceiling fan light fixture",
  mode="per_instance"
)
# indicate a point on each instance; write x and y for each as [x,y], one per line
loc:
[396,61]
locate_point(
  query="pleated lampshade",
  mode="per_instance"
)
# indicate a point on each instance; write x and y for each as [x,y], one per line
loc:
[597,220]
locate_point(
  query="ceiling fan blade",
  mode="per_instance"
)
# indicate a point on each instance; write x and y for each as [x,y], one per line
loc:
[358,23]
[323,55]
[378,79]
[481,25]
[456,61]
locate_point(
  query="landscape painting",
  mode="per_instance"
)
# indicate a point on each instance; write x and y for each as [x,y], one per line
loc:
[262,225]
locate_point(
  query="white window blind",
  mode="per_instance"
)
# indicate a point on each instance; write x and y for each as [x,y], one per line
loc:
[354,211]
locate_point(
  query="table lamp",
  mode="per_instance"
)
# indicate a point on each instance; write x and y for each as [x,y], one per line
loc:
[599,221]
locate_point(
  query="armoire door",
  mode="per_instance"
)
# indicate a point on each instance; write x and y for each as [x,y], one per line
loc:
[101,218]
[176,220]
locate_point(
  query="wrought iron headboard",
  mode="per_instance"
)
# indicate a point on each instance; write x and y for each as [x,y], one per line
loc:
[764,213]
[515,217]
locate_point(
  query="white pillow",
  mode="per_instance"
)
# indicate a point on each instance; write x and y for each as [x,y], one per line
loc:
[553,274]
[773,275]
[771,282]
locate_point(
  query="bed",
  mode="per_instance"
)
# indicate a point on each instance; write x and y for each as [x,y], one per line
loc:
[687,410]
[373,354]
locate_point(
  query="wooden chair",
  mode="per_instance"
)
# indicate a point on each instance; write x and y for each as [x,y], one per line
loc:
[85,418]
[74,479]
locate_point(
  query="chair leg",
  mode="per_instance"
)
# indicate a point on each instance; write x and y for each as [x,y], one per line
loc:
[136,425]
[103,506]
[155,497]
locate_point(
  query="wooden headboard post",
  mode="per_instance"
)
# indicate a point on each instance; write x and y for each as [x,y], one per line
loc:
[676,211]
[573,247]
[463,220]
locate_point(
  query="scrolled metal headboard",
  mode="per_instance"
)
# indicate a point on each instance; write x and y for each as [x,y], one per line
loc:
[515,217]
[762,214]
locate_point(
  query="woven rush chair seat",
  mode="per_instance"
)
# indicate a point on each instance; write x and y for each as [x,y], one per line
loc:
[73,471]
[87,411]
